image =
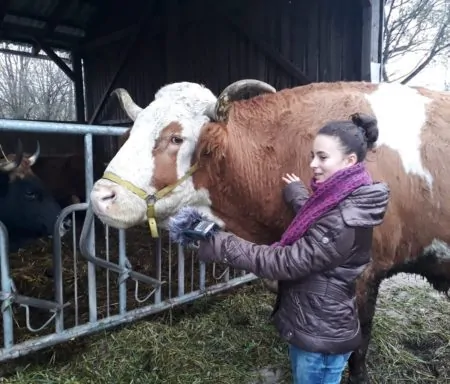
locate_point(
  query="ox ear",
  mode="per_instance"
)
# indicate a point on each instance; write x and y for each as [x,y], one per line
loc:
[239,90]
[127,103]
[212,143]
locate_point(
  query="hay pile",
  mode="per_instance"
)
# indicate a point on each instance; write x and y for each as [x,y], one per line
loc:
[31,270]
[226,339]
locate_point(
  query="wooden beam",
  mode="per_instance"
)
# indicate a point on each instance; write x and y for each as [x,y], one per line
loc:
[55,16]
[79,87]
[57,60]
[172,8]
[29,54]
[14,32]
[3,7]
[366,42]
[282,61]
[110,38]
[145,18]
[51,21]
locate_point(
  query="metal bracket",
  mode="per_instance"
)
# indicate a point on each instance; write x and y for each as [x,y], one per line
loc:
[124,273]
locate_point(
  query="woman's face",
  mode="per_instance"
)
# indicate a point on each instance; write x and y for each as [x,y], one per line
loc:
[328,157]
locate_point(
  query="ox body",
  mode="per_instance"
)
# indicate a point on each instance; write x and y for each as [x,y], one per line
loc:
[64,176]
[27,207]
[241,147]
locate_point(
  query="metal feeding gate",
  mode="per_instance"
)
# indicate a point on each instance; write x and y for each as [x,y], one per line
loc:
[82,300]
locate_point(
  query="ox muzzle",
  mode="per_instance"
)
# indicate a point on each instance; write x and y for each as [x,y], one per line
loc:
[150,199]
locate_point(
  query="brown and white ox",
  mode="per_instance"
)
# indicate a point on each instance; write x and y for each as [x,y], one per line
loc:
[242,147]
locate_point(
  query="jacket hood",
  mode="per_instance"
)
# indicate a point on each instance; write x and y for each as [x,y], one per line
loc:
[366,206]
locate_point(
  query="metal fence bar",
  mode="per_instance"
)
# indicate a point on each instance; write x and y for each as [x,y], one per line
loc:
[57,261]
[92,282]
[116,320]
[158,245]
[180,270]
[108,300]
[7,315]
[63,128]
[123,268]
[202,275]
[122,264]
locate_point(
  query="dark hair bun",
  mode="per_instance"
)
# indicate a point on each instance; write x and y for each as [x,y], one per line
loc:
[368,125]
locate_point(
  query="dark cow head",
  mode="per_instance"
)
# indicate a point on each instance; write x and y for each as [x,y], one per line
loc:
[27,208]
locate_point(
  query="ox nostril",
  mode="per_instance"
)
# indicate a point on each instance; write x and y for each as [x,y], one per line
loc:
[106,194]
[109,196]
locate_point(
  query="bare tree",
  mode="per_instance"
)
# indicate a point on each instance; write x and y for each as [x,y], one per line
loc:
[34,88]
[419,29]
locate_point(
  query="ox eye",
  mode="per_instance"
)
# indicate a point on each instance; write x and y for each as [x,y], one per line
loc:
[176,140]
[30,195]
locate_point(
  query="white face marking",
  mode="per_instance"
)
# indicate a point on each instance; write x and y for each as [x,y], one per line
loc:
[184,103]
[401,114]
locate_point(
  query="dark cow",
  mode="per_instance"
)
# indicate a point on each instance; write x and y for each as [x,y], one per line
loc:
[27,207]
[64,176]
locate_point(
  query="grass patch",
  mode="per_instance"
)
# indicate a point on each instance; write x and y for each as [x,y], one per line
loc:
[411,336]
[226,339]
[217,340]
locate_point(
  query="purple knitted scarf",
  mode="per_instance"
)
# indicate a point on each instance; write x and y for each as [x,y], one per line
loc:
[325,197]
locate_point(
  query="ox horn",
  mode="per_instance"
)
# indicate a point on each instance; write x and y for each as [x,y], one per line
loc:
[238,90]
[8,166]
[33,158]
[127,103]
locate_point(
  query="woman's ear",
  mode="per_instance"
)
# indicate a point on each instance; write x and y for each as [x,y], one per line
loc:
[352,159]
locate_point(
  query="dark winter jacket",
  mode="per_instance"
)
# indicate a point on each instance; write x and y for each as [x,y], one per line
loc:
[316,305]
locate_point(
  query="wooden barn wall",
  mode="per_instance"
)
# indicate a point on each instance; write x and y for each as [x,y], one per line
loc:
[321,37]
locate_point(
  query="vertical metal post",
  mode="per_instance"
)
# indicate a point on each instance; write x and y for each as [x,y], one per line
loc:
[57,273]
[122,263]
[158,269]
[180,270]
[89,177]
[8,332]
[202,277]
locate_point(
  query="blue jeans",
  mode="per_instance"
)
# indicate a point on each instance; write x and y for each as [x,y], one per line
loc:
[316,368]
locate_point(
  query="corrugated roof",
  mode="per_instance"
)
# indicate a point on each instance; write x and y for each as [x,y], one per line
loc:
[61,23]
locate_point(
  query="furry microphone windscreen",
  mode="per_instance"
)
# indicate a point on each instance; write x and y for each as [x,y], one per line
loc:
[186,218]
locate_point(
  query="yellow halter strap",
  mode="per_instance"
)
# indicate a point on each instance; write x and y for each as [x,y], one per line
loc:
[150,199]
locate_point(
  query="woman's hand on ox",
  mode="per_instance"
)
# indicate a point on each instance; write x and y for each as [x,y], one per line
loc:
[290,178]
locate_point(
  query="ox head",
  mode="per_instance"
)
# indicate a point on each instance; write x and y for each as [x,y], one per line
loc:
[27,208]
[156,161]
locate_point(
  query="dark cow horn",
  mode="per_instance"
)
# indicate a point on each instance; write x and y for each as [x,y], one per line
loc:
[238,90]
[9,166]
[33,158]
[127,103]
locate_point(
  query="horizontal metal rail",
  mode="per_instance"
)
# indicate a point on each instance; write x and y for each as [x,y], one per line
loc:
[63,128]
[113,321]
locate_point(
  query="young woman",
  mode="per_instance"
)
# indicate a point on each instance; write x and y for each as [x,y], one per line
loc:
[321,253]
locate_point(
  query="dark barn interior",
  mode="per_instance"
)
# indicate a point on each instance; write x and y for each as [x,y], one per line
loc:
[142,45]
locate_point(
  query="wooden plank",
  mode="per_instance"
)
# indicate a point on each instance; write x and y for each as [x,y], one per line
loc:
[366,43]
[287,65]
